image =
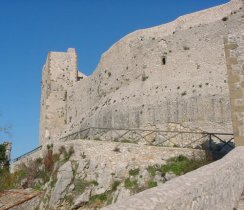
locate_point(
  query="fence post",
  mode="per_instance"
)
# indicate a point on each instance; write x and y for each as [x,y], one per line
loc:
[210,142]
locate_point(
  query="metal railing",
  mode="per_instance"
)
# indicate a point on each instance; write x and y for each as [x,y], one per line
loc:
[27,154]
[183,139]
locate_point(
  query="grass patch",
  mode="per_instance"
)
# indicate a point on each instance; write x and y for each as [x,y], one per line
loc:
[97,201]
[101,197]
[178,165]
[129,184]
[69,199]
[181,165]
[126,141]
[152,170]
[151,184]
[81,185]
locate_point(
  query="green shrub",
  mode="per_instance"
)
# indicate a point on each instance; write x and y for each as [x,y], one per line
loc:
[97,201]
[181,165]
[101,197]
[81,185]
[6,180]
[9,181]
[2,154]
[178,165]
[129,184]
[126,141]
[67,154]
[69,199]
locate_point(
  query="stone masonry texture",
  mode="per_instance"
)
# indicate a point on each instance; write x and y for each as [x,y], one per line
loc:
[130,154]
[234,52]
[187,73]
[173,73]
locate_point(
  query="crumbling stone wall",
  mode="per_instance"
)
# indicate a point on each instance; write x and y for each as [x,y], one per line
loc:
[59,73]
[234,52]
[174,73]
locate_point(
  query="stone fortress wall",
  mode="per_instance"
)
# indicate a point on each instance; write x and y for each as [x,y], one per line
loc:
[174,73]
[167,75]
[234,51]
[59,74]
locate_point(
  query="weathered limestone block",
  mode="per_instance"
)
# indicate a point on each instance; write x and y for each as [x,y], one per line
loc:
[64,178]
[83,198]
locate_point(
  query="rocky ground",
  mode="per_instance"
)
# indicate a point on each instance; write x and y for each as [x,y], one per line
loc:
[86,174]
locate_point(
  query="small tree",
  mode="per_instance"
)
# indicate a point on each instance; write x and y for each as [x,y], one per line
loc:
[3,160]
[6,131]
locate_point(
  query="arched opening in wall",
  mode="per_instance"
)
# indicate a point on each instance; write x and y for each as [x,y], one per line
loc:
[163,60]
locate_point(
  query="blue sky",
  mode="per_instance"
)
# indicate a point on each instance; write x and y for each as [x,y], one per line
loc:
[29,29]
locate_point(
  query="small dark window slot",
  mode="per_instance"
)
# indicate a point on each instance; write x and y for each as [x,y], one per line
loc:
[163,60]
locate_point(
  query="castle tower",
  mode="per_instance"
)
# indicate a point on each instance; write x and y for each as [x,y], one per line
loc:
[59,73]
[8,147]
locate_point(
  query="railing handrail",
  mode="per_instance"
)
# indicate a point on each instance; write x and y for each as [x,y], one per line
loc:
[27,153]
[125,129]
[152,130]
